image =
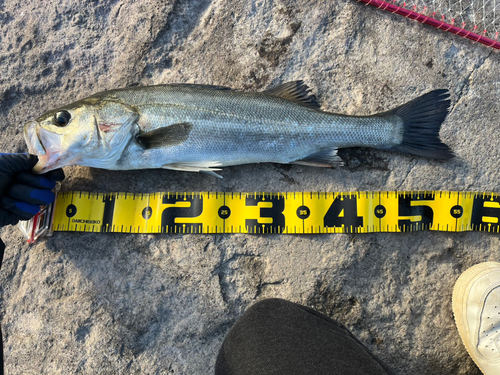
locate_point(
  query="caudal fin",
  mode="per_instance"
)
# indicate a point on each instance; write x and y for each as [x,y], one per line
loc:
[422,119]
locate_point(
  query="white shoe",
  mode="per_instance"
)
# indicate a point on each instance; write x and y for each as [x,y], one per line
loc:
[476,306]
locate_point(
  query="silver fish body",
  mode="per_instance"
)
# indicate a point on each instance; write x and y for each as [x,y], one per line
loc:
[201,128]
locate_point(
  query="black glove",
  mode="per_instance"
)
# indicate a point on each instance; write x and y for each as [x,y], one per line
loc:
[21,191]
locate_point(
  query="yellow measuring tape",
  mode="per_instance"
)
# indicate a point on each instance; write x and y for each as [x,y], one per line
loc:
[299,212]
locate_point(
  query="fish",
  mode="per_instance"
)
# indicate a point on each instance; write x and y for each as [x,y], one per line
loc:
[202,128]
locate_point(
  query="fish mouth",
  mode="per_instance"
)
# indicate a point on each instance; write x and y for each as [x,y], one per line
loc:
[49,156]
[32,139]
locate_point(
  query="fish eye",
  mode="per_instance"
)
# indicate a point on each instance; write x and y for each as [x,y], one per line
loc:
[62,118]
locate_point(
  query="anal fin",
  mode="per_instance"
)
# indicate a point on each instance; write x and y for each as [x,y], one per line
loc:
[324,158]
[206,168]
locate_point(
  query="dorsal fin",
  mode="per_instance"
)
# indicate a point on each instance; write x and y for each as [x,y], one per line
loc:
[296,91]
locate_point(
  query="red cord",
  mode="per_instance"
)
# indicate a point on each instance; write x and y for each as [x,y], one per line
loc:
[435,23]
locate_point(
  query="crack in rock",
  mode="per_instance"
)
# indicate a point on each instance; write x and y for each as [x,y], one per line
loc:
[466,84]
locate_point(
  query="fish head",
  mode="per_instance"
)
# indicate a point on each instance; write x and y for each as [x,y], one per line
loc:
[91,132]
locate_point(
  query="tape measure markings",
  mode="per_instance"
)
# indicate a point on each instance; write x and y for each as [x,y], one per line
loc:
[297,212]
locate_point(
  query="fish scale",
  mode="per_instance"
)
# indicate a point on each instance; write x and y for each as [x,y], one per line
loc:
[236,127]
[199,127]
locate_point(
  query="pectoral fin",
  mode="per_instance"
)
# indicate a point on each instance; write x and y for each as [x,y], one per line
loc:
[204,167]
[164,137]
[324,158]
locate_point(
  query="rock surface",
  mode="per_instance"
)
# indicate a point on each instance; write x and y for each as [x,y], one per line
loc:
[161,304]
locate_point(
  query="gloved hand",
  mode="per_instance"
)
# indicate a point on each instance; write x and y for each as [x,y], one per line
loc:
[21,191]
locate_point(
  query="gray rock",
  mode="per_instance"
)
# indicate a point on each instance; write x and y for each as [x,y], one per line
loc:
[161,304]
